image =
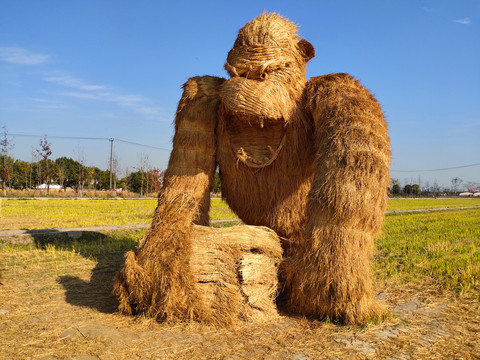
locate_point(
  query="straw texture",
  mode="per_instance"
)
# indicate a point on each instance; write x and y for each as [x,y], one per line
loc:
[324,193]
[308,160]
[266,55]
[157,280]
[330,273]
[233,277]
[236,270]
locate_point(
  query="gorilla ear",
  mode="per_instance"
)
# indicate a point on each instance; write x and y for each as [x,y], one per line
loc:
[306,49]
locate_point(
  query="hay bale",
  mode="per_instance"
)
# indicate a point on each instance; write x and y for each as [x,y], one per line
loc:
[235,272]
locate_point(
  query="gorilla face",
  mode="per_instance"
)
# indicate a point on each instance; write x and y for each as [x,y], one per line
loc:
[267,69]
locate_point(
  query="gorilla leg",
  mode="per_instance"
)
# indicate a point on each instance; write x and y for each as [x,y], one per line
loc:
[329,276]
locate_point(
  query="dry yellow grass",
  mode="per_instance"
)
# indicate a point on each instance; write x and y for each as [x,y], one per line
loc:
[57,304]
[70,193]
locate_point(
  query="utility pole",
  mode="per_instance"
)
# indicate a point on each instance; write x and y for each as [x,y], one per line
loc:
[111,161]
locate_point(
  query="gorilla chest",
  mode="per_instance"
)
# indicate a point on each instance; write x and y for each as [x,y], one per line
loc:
[263,167]
[253,145]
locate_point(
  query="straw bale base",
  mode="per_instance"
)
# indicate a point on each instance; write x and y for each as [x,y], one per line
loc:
[235,271]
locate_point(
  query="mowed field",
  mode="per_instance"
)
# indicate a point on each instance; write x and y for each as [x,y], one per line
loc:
[56,303]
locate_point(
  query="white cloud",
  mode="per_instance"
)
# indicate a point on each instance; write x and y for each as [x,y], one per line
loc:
[122,99]
[149,110]
[81,95]
[70,81]
[48,104]
[21,56]
[86,91]
[464,21]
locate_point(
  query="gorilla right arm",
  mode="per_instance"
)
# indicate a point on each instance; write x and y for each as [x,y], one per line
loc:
[157,279]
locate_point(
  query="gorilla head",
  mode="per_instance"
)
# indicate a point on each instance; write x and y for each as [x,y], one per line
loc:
[267,69]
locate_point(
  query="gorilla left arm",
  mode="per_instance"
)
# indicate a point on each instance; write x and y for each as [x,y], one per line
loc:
[353,152]
[346,204]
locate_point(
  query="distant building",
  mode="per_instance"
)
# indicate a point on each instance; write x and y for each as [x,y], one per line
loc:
[469,194]
[52,186]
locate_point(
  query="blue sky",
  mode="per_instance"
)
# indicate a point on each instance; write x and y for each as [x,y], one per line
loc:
[114,69]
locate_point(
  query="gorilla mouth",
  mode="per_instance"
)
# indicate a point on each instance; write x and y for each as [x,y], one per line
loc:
[258,99]
[258,144]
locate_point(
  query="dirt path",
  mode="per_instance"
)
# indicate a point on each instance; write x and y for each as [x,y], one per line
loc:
[431,209]
[78,231]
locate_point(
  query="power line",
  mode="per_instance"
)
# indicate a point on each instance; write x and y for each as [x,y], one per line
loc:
[449,168]
[164,149]
[59,137]
[144,145]
[92,138]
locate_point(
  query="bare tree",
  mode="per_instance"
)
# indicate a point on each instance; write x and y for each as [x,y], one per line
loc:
[44,151]
[143,168]
[81,159]
[127,174]
[435,187]
[34,168]
[468,185]
[5,146]
[115,169]
[456,182]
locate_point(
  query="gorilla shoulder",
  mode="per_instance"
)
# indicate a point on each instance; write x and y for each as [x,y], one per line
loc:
[200,86]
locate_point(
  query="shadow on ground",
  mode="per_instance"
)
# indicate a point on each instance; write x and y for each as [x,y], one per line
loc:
[106,249]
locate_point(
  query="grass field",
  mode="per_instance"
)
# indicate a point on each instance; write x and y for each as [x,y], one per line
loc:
[429,203]
[56,299]
[55,213]
[440,248]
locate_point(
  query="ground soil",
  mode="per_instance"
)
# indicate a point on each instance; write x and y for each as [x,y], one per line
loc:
[64,310]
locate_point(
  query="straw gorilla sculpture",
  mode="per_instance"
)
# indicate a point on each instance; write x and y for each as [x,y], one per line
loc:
[308,159]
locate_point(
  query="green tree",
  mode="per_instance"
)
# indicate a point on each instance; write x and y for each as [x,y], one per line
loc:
[217,187]
[122,183]
[101,179]
[416,189]
[21,172]
[396,189]
[68,172]
[44,151]
[6,161]
[134,181]
[407,189]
